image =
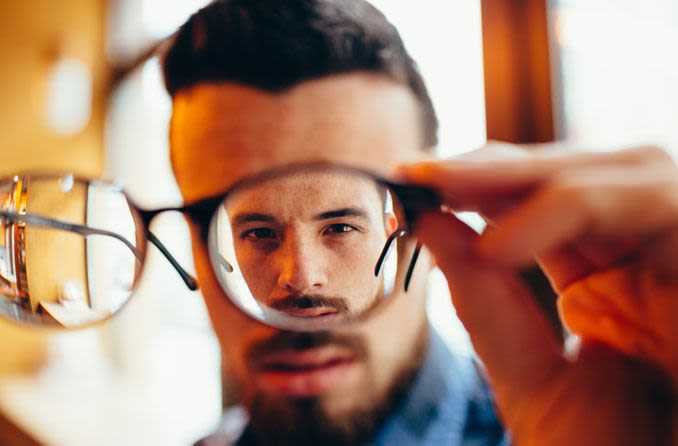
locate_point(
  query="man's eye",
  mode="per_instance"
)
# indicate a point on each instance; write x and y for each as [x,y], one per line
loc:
[339,228]
[259,234]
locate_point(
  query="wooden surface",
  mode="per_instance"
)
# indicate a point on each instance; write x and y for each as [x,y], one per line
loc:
[520,79]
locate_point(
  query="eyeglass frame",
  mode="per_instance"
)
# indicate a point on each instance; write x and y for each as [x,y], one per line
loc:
[414,199]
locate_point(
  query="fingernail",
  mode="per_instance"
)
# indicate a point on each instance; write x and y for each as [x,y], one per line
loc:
[401,172]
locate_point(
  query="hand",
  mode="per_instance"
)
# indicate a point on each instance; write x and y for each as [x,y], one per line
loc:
[604,228]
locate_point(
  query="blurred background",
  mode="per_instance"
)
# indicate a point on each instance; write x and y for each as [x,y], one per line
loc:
[80,91]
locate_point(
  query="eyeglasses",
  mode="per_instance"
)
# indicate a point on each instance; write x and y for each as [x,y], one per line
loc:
[302,247]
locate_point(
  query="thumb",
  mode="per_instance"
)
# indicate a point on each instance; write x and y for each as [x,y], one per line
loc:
[507,328]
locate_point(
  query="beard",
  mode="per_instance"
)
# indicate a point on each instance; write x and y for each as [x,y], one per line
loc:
[280,420]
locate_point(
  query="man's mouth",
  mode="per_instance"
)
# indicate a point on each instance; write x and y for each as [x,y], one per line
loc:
[311,306]
[324,312]
[305,373]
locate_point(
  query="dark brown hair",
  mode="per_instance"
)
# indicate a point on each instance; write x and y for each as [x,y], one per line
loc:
[274,45]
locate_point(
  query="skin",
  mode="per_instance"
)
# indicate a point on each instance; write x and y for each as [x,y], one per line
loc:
[221,133]
[286,244]
[604,228]
[603,222]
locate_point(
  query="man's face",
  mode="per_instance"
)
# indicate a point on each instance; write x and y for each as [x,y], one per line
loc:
[303,384]
[306,243]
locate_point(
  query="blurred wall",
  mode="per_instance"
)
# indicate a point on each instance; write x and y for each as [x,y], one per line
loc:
[34,36]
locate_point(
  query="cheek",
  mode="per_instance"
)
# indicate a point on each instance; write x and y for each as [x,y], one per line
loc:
[364,255]
[355,255]
[259,273]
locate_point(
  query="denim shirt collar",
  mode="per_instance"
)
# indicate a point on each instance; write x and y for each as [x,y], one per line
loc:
[439,394]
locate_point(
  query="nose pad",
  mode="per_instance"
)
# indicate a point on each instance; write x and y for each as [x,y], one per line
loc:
[384,252]
[225,264]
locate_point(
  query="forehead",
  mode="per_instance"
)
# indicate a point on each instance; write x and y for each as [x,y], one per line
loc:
[306,194]
[221,133]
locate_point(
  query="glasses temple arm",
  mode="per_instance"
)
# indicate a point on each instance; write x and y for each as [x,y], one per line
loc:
[413,261]
[189,280]
[410,268]
[46,222]
[387,246]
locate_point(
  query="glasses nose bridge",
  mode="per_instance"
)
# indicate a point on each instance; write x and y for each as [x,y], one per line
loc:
[300,262]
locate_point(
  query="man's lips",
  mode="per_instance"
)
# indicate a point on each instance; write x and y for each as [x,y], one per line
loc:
[311,305]
[312,312]
[305,373]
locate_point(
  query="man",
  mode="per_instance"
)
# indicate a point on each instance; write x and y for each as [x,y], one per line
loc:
[259,84]
[306,243]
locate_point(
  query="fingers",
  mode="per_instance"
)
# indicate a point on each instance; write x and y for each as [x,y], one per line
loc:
[598,320]
[507,329]
[629,309]
[663,261]
[576,260]
[577,213]
[497,172]
[610,202]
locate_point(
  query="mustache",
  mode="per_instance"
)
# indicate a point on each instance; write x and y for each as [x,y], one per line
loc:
[307,301]
[299,341]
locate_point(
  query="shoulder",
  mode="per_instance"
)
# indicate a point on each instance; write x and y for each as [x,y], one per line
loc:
[449,403]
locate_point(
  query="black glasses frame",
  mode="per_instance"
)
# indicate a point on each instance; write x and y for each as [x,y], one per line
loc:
[413,199]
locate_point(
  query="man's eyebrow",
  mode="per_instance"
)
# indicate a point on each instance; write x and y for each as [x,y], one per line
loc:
[344,212]
[249,217]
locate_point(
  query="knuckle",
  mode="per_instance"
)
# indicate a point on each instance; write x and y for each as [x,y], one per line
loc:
[503,149]
[670,194]
[664,183]
[570,193]
[591,198]
[654,153]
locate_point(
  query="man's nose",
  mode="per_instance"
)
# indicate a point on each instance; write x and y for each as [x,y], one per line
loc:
[301,267]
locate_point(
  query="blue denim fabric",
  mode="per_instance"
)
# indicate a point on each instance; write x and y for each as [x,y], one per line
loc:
[449,404]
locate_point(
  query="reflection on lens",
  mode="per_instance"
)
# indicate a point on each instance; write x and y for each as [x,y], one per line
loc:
[303,247]
[70,250]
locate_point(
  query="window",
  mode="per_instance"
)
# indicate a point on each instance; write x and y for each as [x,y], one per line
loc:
[620,73]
